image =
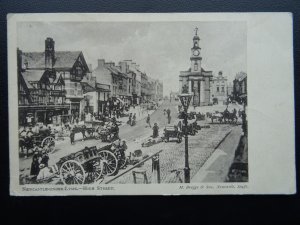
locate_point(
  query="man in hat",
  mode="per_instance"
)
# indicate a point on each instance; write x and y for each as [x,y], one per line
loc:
[148,120]
[169,115]
[72,135]
[155,130]
[35,169]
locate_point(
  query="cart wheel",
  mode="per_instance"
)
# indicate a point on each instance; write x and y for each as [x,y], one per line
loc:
[71,172]
[93,169]
[110,162]
[49,143]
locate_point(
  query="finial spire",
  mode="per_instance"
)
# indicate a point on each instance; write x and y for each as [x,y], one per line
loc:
[196,30]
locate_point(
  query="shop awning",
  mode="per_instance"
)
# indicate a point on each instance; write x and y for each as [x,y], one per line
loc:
[45,107]
[87,86]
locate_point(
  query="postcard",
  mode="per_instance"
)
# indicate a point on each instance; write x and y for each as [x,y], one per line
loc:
[151,104]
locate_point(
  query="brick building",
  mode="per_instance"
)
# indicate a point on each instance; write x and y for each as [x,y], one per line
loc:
[219,88]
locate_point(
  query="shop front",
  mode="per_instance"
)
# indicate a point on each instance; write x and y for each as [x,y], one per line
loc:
[30,115]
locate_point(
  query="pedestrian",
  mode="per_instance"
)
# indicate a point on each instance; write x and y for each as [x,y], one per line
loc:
[179,125]
[123,147]
[169,119]
[34,170]
[72,135]
[133,121]
[83,132]
[169,115]
[155,130]
[129,119]
[45,158]
[148,120]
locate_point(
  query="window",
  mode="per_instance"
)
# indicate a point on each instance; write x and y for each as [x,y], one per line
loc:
[195,67]
[72,85]
[218,90]
[78,70]
[67,75]
[223,89]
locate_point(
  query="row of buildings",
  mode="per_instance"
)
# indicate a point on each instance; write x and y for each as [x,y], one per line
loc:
[206,88]
[54,85]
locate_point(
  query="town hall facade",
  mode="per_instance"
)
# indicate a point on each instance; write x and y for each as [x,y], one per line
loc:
[196,80]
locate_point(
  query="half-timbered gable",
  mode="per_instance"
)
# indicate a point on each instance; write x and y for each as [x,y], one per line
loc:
[24,90]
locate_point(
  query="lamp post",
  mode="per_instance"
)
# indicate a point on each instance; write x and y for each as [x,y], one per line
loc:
[185,99]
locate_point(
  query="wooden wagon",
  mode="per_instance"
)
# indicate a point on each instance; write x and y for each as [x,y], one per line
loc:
[86,166]
[172,132]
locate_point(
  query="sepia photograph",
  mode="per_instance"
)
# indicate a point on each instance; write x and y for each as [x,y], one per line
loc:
[132,102]
[110,102]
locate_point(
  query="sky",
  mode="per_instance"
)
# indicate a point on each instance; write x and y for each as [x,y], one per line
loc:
[162,49]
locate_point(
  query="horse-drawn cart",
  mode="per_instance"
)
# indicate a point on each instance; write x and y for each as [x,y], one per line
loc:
[86,166]
[44,139]
[172,132]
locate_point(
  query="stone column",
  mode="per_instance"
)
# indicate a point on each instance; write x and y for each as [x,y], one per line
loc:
[202,92]
[190,86]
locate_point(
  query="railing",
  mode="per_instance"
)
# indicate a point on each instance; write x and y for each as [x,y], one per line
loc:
[155,166]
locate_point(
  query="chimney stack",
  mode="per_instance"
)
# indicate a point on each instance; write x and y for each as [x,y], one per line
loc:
[110,64]
[124,66]
[101,63]
[19,59]
[49,53]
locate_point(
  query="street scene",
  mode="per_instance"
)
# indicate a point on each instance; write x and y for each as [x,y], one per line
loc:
[132,103]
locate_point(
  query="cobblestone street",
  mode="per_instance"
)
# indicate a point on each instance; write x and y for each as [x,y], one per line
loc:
[201,146]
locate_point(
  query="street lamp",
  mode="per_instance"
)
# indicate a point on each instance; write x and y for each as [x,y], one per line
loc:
[185,99]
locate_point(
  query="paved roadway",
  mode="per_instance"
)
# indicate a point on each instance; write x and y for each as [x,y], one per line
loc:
[201,146]
[141,130]
[136,134]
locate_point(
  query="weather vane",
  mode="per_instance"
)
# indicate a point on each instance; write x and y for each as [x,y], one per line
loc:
[196,29]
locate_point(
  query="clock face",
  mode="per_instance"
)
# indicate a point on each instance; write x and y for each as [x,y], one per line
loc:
[196,53]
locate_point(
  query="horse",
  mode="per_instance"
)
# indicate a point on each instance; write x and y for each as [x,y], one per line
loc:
[25,143]
[200,116]
[215,116]
[230,116]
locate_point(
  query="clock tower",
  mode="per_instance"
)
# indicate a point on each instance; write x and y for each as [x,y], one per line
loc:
[195,54]
[196,80]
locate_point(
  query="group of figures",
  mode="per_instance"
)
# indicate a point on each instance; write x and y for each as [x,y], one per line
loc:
[226,116]
[30,140]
